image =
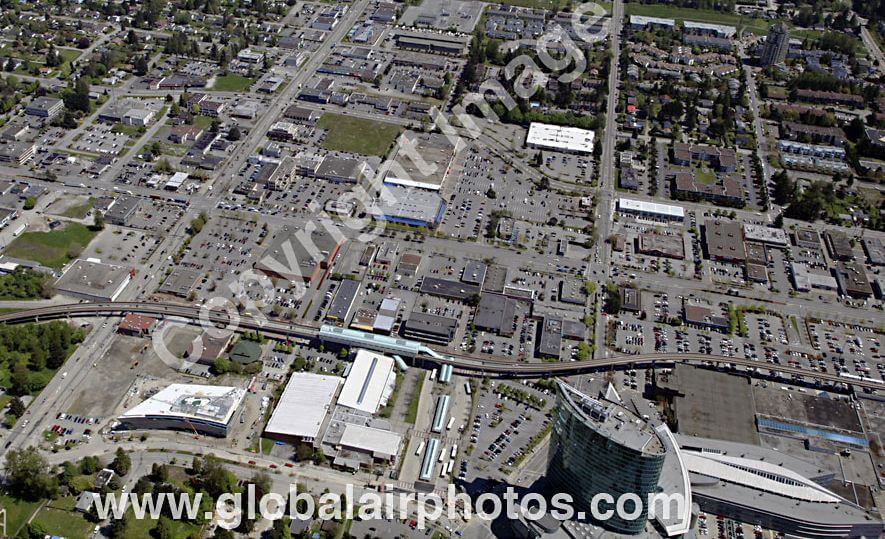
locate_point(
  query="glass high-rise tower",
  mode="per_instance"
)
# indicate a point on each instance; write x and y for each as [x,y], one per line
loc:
[600,447]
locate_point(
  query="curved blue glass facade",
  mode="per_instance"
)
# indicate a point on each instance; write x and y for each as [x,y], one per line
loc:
[585,459]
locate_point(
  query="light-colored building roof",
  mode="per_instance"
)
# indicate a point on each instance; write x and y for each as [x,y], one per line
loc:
[674,479]
[805,280]
[92,280]
[375,441]
[664,210]
[720,29]
[757,474]
[369,382]
[354,337]
[209,404]
[303,405]
[557,137]
[409,204]
[640,20]
[176,180]
[437,152]
[764,234]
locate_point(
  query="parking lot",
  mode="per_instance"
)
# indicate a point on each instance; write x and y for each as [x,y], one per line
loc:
[848,348]
[502,428]
[156,216]
[223,249]
[123,247]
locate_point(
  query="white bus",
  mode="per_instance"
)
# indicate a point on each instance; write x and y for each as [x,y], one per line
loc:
[454,450]
[467,388]
[451,422]
[442,455]
[433,375]
[420,448]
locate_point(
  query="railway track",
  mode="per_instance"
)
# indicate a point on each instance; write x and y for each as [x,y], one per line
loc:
[464,363]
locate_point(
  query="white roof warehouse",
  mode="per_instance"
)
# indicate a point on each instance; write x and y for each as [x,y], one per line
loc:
[369,382]
[302,408]
[558,138]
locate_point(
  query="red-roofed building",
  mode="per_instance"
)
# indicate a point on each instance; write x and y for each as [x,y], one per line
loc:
[136,325]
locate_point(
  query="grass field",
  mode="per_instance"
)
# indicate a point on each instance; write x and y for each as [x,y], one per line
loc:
[131,131]
[63,523]
[52,249]
[776,92]
[750,24]
[705,175]
[68,55]
[414,400]
[17,512]
[266,446]
[203,122]
[355,135]
[232,83]
[79,211]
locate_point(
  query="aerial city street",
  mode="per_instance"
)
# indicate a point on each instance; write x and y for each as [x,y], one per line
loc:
[361,249]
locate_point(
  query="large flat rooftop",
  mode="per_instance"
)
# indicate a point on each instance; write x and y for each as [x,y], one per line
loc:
[215,404]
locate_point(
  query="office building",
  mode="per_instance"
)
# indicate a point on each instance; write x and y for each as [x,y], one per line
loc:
[598,446]
[430,328]
[45,107]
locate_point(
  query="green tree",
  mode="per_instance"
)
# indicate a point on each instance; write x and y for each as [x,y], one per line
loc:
[20,381]
[280,529]
[89,465]
[119,527]
[122,463]
[221,533]
[78,98]
[163,529]
[215,479]
[16,407]
[141,66]
[32,530]
[30,202]
[163,167]
[220,366]
[612,304]
[28,474]
[97,221]
[53,59]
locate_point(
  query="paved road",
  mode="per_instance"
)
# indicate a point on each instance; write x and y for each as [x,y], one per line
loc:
[758,129]
[599,269]
[872,46]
